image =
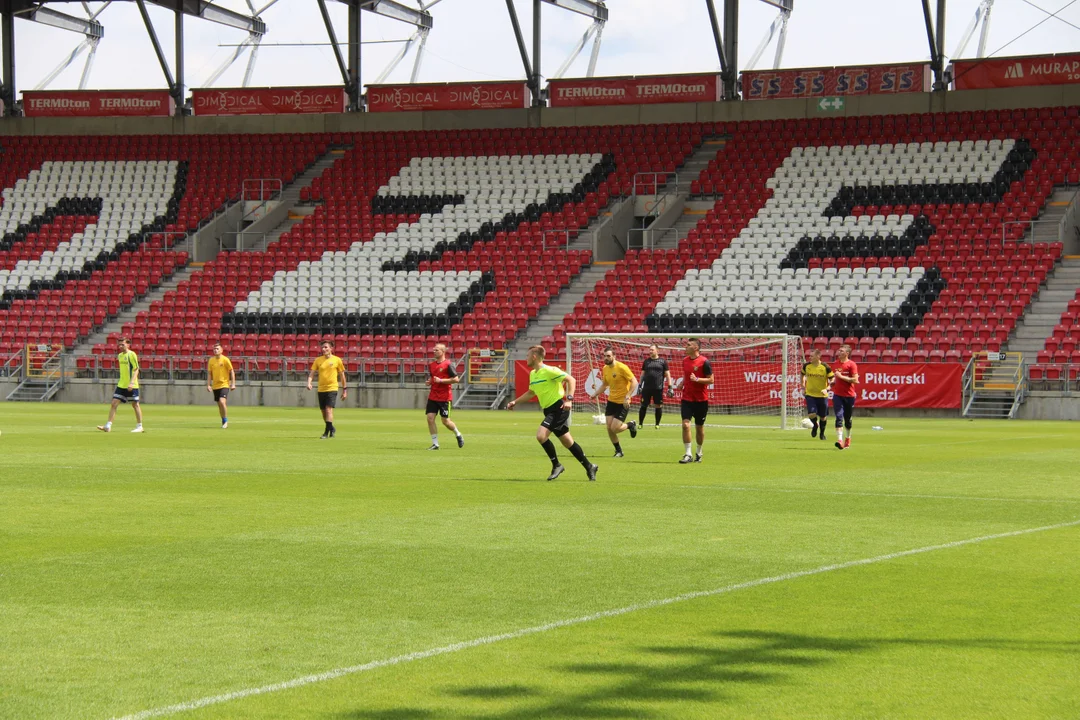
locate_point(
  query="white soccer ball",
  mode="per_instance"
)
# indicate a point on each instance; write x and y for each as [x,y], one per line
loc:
[807,423]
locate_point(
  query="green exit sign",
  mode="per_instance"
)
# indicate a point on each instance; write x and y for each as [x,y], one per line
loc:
[831,104]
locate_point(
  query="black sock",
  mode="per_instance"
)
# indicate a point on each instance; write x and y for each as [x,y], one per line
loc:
[814,420]
[641,415]
[579,454]
[618,447]
[659,414]
[549,448]
[329,427]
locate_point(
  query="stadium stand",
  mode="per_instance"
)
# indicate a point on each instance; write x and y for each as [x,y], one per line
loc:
[899,234]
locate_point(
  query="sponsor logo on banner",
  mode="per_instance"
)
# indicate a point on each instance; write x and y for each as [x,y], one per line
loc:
[98,103]
[521,378]
[642,90]
[448,96]
[268,101]
[896,385]
[1016,72]
[826,82]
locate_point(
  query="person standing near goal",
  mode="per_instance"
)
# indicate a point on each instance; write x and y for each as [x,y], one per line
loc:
[546,385]
[697,376]
[620,381]
[816,376]
[654,371]
[845,378]
[441,379]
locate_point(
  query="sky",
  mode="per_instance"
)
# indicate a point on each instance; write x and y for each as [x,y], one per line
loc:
[473,40]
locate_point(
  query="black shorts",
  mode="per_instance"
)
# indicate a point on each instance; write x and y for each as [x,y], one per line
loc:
[817,406]
[616,410]
[328,399]
[556,419]
[437,407]
[844,407]
[695,410]
[221,394]
[124,395]
[654,397]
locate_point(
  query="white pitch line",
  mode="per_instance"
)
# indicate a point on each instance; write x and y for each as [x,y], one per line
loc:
[490,639]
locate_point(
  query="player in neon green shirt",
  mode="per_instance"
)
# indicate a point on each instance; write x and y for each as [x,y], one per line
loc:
[127,387]
[546,385]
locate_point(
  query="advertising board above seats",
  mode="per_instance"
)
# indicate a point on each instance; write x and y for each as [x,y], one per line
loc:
[98,103]
[1008,72]
[448,96]
[835,81]
[634,90]
[268,101]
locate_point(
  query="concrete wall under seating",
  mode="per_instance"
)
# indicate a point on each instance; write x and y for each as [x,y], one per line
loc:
[954,101]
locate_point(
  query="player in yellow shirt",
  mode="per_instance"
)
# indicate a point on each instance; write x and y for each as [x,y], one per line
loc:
[220,379]
[127,386]
[621,385]
[331,372]
[816,376]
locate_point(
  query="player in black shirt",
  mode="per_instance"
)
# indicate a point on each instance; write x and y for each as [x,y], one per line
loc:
[654,371]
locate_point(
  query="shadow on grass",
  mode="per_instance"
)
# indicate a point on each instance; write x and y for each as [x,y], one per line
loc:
[653,681]
[647,679]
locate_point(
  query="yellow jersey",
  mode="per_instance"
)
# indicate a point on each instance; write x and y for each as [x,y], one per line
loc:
[619,378]
[128,362]
[816,379]
[220,369]
[328,369]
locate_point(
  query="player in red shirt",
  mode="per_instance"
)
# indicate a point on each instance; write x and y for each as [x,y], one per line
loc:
[845,378]
[441,378]
[697,376]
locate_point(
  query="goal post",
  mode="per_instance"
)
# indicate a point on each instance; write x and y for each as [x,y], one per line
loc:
[757,378]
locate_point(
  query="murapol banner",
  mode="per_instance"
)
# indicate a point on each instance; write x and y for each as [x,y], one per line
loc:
[1016,72]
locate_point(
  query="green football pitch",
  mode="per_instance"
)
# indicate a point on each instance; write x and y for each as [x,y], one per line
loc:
[930,571]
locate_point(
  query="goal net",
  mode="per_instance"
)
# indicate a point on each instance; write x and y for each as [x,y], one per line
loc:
[757,378]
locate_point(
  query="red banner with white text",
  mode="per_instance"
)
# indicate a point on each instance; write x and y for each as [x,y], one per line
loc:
[98,103]
[1016,72]
[448,96]
[836,81]
[747,384]
[640,90]
[268,101]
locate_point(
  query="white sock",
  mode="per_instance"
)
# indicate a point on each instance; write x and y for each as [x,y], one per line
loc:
[138,425]
[688,448]
[699,449]
[457,432]
[840,434]
[435,439]
[108,425]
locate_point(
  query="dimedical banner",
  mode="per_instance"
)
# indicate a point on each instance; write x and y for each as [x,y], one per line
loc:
[741,384]
[98,103]
[448,96]
[269,101]
[836,81]
[640,90]
[1016,72]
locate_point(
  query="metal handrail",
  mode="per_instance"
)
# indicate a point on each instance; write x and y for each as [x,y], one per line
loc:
[13,365]
[1031,229]
[561,233]
[274,184]
[1065,382]
[240,245]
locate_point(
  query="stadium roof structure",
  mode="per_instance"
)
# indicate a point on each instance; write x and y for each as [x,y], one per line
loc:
[725,30]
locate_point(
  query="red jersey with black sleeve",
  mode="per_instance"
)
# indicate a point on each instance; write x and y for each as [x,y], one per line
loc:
[842,387]
[694,391]
[441,392]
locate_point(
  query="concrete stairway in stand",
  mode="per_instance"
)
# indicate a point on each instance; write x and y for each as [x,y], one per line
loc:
[1030,334]
[1046,225]
[559,308]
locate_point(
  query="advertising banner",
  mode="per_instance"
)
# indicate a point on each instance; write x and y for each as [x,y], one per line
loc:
[833,82]
[448,96]
[521,377]
[269,101]
[641,90]
[744,384]
[1016,72]
[98,103]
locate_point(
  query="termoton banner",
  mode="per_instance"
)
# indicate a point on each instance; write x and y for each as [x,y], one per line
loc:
[268,101]
[835,81]
[448,96]
[98,103]
[640,90]
[1016,72]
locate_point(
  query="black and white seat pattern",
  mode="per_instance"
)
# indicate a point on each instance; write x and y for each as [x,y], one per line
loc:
[374,286]
[130,198]
[763,282]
